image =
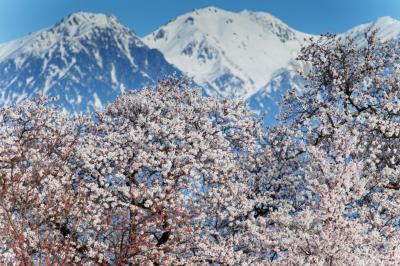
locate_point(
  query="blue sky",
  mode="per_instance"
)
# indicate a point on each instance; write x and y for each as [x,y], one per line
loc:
[19,17]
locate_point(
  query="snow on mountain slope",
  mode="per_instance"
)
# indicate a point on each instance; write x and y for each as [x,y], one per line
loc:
[89,59]
[85,60]
[388,29]
[230,54]
[266,100]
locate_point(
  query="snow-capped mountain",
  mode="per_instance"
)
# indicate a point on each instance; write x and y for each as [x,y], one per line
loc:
[229,54]
[388,29]
[89,59]
[85,60]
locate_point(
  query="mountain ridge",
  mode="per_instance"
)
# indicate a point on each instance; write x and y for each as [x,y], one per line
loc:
[85,60]
[233,54]
[88,59]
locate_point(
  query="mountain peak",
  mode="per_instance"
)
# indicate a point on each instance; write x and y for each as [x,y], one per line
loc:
[263,15]
[387,19]
[387,27]
[85,18]
[226,51]
[83,22]
[210,9]
[384,21]
[85,60]
[71,30]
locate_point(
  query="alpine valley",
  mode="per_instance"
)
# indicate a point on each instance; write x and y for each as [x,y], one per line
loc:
[86,60]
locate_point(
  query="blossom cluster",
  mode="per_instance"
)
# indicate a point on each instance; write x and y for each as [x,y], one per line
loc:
[166,176]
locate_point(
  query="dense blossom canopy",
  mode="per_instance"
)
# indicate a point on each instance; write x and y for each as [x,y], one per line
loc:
[166,176]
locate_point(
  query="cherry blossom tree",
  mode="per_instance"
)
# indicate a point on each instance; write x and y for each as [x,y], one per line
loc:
[45,216]
[321,217]
[149,180]
[166,176]
[172,159]
[334,169]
